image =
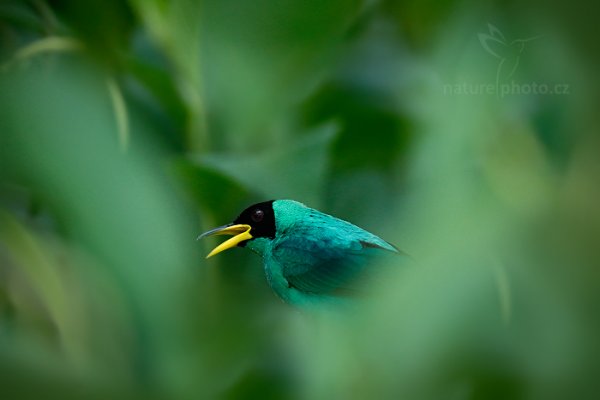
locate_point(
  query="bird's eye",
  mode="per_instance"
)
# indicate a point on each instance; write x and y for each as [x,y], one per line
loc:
[257,215]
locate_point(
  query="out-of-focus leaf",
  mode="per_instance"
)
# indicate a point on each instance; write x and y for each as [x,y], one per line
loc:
[104,26]
[62,305]
[260,58]
[59,135]
[295,171]
[175,26]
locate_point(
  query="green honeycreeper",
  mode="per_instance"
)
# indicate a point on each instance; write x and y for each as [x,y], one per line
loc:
[309,257]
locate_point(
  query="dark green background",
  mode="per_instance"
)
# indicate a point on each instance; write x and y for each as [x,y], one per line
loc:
[127,128]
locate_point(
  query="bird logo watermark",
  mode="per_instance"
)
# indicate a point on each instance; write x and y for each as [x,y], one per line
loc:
[509,54]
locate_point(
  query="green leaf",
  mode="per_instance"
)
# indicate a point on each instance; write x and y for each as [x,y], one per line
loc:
[296,171]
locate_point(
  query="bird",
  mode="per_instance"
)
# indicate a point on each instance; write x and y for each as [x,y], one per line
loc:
[310,258]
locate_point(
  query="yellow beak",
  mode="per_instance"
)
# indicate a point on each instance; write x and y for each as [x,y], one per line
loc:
[241,232]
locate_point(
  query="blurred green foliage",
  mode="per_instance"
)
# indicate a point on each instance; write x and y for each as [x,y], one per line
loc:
[126,128]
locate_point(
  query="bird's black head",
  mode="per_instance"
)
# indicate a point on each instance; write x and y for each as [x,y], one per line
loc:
[257,221]
[261,218]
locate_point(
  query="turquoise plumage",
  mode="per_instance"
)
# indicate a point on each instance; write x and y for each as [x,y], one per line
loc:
[309,257]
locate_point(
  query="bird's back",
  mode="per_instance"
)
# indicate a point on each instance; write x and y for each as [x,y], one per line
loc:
[320,256]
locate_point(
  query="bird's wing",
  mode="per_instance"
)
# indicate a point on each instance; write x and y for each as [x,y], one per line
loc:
[328,256]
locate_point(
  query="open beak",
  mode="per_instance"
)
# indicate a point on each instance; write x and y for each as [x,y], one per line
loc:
[241,232]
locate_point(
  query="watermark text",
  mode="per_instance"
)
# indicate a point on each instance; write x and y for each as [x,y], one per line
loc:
[506,89]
